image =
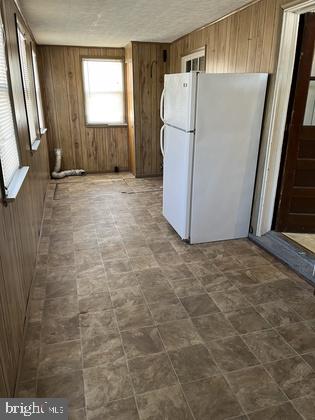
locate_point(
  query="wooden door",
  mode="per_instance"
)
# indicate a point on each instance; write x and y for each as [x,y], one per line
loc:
[296,205]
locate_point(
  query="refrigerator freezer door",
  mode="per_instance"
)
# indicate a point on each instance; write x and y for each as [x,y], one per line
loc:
[179,100]
[228,124]
[178,159]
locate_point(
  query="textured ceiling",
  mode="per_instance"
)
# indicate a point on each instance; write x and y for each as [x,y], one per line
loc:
[116,22]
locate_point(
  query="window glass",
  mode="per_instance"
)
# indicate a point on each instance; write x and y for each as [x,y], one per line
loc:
[9,155]
[188,66]
[27,85]
[309,115]
[195,63]
[202,63]
[38,92]
[103,82]
[313,67]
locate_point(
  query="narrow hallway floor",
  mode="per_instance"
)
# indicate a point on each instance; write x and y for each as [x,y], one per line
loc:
[128,322]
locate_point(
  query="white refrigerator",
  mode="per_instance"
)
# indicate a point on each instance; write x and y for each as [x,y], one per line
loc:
[210,142]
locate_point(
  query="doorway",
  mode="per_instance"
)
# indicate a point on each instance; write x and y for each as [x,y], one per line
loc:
[275,118]
[295,203]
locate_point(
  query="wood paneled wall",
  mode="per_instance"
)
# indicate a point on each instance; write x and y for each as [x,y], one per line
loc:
[95,149]
[145,69]
[246,41]
[20,224]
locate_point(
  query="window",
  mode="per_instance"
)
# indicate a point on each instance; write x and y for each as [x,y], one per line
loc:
[39,102]
[195,61]
[103,82]
[309,116]
[27,84]
[9,155]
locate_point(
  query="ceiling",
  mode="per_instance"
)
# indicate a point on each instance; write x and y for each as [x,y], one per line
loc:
[113,23]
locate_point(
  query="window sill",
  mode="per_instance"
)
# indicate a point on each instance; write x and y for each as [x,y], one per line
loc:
[43,131]
[106,125]
[35,145]
[16,183]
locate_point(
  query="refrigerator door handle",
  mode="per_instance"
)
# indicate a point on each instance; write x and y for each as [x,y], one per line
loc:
[162,139]
[162,105]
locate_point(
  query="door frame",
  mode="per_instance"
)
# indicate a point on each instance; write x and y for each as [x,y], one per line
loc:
[276,116]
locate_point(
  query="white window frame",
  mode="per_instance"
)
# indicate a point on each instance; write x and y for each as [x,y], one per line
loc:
[201,52]
[38,93]
[27,83]
[105,124]
[10,188]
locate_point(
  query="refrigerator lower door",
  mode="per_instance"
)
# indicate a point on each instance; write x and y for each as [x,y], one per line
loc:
[177,179]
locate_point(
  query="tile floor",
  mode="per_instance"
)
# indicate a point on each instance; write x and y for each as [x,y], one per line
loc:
[128,322]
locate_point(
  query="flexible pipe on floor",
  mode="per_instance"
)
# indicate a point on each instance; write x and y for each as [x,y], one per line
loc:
[71,172]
